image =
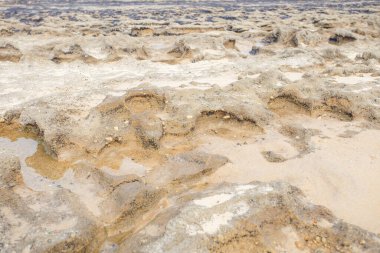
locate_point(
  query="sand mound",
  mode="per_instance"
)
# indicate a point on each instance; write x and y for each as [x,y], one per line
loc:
[72,53]
[10,53]
[342,36]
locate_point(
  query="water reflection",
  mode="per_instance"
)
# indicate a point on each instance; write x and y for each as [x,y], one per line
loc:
[24,148]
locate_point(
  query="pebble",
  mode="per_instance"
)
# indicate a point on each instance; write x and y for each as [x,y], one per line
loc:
[299,245]
[116,128]
[362,242]
[109,139]
[189,116]
[2,120]
[227,117]
[319,250]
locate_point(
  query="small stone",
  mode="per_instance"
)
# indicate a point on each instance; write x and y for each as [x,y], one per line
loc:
[297,137]
[318,238]
[362,242]
[126,122]
[319,250]
[299,245]
[189,116]
[116,128]
[346,243]
[2,120]
[109,139]
[324,240]
[227,117]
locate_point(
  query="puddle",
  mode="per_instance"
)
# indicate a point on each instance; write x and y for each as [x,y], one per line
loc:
[14,131]
[23,148]
[22,143]
[45,165]
[127,167]
[38,169]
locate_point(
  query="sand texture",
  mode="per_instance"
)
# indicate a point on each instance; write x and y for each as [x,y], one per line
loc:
[189,126]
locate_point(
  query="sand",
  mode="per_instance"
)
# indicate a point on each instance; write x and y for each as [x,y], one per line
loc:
[337,173]
[139,111]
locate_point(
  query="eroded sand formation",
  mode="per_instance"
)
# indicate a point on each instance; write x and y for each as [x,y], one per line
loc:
[208,126]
